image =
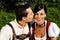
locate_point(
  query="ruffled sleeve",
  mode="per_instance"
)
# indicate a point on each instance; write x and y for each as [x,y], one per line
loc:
[53,30]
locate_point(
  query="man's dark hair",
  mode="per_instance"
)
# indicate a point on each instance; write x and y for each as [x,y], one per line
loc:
[21,11]
[39,7]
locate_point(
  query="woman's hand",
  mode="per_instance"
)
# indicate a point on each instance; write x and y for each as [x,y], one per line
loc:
[53,38]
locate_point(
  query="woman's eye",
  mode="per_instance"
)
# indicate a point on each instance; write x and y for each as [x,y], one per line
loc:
[41,14]
[36,14]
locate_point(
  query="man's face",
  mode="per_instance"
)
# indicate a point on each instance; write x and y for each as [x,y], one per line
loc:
[29,15]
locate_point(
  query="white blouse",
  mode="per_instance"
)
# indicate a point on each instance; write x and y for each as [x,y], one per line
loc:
[6,32]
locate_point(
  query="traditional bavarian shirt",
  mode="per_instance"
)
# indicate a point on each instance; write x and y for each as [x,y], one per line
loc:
[7,34]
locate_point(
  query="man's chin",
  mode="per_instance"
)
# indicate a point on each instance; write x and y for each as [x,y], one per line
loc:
[30,21]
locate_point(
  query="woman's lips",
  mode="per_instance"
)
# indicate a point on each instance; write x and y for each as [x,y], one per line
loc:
[39,19]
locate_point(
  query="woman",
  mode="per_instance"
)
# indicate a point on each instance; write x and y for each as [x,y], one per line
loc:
[41,32]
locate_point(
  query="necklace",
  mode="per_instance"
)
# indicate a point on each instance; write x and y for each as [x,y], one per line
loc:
[42,25]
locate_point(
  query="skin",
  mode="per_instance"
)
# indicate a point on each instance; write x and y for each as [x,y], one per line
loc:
[40,16]
[39,19]
[30,15]
[53,38]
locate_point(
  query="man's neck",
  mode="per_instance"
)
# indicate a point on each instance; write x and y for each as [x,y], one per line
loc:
[22,23]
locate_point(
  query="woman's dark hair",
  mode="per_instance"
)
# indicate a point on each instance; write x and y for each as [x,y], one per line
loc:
[39,7]
[21,11]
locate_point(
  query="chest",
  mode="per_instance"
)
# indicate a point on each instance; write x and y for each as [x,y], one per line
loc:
[40,32]
[21,33]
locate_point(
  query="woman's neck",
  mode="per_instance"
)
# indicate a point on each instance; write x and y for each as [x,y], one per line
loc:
[40,25]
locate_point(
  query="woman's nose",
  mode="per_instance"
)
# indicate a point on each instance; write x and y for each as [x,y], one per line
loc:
[39,16]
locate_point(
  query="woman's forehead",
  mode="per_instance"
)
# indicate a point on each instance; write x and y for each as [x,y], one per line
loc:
[41,11]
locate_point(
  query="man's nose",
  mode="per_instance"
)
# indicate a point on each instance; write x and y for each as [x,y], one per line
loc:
[32,14]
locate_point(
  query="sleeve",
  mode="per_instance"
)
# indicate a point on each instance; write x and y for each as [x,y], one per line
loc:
[53,30]
[4,34]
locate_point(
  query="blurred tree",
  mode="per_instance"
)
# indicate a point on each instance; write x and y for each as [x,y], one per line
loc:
[11,4]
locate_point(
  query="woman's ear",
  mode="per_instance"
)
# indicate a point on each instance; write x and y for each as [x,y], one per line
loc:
[45,14]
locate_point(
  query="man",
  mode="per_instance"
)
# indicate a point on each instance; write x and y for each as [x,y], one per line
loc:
[19,26]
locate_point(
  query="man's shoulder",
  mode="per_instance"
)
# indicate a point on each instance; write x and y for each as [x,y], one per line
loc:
[13,21]
[6,28]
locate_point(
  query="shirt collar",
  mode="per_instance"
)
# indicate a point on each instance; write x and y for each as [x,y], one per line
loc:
[20,25]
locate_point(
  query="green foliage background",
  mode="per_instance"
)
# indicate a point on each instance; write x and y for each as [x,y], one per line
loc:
[53,11]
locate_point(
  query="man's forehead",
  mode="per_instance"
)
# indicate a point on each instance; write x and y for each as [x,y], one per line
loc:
[28,9]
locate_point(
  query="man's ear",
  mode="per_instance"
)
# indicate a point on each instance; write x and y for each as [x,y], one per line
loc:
[23,18]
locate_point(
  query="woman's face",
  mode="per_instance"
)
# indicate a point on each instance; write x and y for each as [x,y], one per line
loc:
[40,16]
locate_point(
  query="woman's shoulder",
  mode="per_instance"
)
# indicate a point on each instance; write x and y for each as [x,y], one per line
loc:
[52,26]
[51,23]
[53,30]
